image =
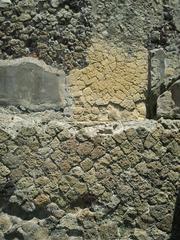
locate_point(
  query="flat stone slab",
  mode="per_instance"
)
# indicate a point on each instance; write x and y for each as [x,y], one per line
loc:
[30,83]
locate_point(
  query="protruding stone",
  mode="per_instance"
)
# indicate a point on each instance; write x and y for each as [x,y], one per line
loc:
[140,234]
[24,17]
[5,223]
[168,103]
[70,222]
[55,3]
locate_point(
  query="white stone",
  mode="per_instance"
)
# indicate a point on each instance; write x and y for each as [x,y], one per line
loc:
[55,3]
[5,3]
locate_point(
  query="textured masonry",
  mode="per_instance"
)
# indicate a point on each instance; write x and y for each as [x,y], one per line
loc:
[78,158]
[83,181]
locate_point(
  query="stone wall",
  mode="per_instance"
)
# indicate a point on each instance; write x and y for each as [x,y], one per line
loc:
[62,180]
[79,159]
[56,31]
[119,56]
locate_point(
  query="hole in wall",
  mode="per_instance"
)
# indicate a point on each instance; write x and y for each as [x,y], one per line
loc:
[84,201]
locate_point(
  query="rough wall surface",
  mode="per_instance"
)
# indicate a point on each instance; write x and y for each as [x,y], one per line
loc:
[131,48]
[81,173]
[56,31]
[62,180]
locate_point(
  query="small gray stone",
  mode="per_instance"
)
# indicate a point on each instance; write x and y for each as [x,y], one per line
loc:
[70,222]
[140,234]
[24,17]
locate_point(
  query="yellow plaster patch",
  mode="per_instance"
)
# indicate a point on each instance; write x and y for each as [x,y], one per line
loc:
[114,83]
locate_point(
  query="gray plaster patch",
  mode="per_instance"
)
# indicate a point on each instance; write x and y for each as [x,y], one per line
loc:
[31,84]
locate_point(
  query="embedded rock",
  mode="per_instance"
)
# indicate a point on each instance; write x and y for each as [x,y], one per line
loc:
[55,3]
[168,104]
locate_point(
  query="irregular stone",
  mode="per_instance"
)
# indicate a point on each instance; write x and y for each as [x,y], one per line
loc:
[165,105]
[42,200]
[109,231]
[24,183]
[157,70]
[149,142]
[174,147]
[166,223]
[142,169]
[64,135]
[85,148]
[176,16]
[75,238]
[114,202]
[24,17]
[130,216]
[31,230]
[54,209]
[158,234]
[87,164]
[126,147]
[140,235]
[80,188]
[64,185]
[28,206]
[55,3]
[97,189]
[97,152]
[5,3]
[70,222]
[4,171]
[3,136]
[77,172]
[5,223]
[32,84]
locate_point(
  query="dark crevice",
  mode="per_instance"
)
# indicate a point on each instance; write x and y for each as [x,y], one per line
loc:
[151,99]
[111,211]
[176,220]
[84,201]
[6,191]
[172,81]
[15,210]
[75,233]
[14,235]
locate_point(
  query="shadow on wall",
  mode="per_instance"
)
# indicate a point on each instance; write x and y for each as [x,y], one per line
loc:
[176,220]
